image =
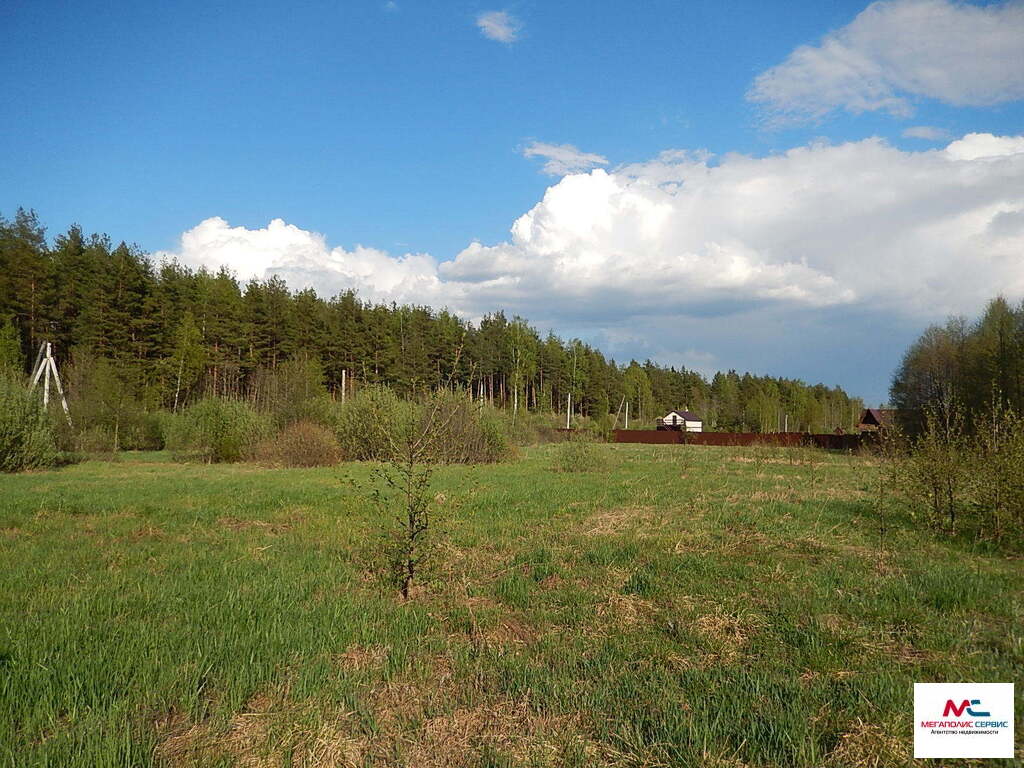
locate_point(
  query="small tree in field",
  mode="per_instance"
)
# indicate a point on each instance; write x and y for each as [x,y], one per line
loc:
[403,494]
[417,439]
[938,468]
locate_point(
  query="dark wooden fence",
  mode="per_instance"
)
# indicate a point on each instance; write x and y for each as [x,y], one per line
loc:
[792,439]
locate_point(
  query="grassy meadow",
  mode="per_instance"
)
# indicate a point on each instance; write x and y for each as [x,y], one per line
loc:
[673,606]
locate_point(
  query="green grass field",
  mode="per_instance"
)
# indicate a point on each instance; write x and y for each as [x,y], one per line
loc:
[677,606]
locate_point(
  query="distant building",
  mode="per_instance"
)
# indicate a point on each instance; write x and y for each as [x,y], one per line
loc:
[681,421]
[874,419]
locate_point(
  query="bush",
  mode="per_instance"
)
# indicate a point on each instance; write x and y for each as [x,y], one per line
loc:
[376,425]
[217,430]
[959,482]
[577,454]
[302,444]
[321,410]
[27,439]
[998,471]
[937,471]
[495,436]
[465,433]
[366,424]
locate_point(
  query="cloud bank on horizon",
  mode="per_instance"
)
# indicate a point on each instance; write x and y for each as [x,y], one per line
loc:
[920,234]
[896,51]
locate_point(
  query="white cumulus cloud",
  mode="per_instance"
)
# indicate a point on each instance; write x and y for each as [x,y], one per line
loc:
[304,259]
[895,50]
[563,159]
[975,146]
[499,25]
[821,225]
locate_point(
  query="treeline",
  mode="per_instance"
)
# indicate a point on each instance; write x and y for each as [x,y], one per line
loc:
[163,336]
[964,368]
[958,456]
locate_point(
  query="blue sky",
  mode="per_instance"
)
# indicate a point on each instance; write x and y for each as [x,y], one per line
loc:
[403,126]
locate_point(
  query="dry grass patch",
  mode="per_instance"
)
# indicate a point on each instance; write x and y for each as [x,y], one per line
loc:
[510,630]
[513,729]
[902,652]
[625,611]
[796,461]
[276,526]
[269,736]
[246,742]
[868,746]
[359,658]
[425,689]
[727,633]
[621,520]
[148,533]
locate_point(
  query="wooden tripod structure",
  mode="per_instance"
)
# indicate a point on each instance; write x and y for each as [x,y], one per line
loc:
[45,368]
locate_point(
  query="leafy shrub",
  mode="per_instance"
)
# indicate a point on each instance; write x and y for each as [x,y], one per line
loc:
[26,437]
[301,444]
[320,410]
[998,470]
[577,454]
[367,423]
[959,482]
[216,430]
[465,433]
[937,471]
[495,437]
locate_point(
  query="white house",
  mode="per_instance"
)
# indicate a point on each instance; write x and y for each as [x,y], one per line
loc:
[681,420]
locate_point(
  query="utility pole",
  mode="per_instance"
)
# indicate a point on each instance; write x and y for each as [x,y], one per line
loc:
[627,414]
[568,411]
[45,368]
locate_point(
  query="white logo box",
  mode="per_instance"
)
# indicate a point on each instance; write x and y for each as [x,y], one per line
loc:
[939,731]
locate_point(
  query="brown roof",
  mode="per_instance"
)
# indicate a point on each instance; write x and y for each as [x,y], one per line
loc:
[879,417]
